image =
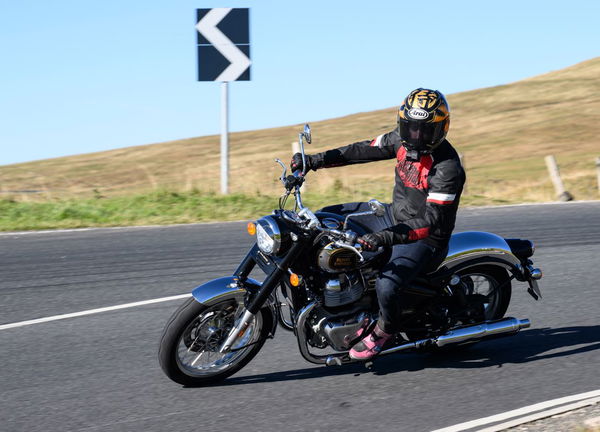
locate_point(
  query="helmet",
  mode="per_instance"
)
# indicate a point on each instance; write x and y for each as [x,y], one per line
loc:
[423,120]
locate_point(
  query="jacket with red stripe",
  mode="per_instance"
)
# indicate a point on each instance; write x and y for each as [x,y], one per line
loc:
[427,191]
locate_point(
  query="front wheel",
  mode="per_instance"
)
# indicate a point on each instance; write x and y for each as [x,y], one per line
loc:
[189,346]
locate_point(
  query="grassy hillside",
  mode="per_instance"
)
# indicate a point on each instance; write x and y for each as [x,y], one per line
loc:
[504,132]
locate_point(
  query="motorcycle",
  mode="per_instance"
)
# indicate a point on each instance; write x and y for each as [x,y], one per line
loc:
[320,285]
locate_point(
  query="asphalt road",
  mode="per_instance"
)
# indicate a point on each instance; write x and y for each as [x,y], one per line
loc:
[100,372]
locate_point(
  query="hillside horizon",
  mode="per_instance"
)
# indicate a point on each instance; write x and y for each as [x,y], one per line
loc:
[503,132]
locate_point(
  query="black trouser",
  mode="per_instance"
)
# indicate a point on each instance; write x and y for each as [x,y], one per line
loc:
[406,262]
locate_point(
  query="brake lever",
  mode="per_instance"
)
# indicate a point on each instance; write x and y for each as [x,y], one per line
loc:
[284,173]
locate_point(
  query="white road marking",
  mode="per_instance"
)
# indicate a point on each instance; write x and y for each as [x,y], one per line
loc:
[541,415]
[520,412]
[92,311]
[115,228]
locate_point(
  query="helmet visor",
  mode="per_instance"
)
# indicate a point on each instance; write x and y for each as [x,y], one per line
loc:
[420,135]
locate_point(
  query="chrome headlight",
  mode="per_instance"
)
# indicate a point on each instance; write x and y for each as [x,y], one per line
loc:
[268,235]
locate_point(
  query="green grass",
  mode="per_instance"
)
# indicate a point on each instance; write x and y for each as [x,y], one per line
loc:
[503,133]
[155,208]
[172,207]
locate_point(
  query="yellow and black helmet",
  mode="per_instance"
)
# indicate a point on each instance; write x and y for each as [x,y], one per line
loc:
[423,120]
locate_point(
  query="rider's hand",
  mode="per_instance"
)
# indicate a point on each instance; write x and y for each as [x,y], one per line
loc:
[296,163]
[370,242]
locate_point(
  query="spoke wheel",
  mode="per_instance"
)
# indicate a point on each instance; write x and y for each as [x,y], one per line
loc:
[189,348]
[492,286]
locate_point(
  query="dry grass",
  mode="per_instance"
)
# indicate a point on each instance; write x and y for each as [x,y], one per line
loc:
[504,133]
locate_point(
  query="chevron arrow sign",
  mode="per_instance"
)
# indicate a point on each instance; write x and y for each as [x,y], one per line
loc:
[223,44]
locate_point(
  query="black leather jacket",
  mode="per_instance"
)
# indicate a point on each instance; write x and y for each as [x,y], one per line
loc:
[427,190]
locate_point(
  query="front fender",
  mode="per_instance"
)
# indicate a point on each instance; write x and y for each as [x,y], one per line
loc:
[218,290]
[230,288]
[473,248]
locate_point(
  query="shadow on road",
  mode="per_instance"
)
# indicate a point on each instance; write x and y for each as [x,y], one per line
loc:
[527,346]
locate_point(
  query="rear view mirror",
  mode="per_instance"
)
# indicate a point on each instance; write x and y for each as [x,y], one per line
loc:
[306,134]
[377,207]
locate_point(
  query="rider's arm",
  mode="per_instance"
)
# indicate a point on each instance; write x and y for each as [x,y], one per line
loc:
[444,190]
[379,148]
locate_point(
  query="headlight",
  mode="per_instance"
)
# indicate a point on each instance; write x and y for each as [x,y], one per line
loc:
[265,242]
[268,235]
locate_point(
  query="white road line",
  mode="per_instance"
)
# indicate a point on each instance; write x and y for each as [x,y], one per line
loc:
[92,311]
[541,415]
[115,228]
[519,412]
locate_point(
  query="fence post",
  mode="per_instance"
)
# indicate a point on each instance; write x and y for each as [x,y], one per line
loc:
[462,163]
[561,193]
[598,171]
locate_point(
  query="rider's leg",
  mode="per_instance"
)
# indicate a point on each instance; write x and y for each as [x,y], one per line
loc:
[405,263]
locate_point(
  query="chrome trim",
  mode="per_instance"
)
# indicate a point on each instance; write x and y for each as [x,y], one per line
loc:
[351,215]
[534,273]
[229,288]
[377,207]
[303,340]
[305,212]
[482,248]
[271,227]
[506,326]
[220,289]
[238,329]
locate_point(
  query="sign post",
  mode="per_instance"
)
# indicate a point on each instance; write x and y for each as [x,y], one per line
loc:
[223,55]
[224,140]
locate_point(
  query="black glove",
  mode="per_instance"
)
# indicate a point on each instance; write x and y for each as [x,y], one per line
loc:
[296,163]
[370,242]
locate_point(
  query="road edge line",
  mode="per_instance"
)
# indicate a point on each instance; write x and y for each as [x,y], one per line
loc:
[541,415]
[519,412]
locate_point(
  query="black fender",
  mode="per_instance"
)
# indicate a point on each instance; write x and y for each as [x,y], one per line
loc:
[231,288]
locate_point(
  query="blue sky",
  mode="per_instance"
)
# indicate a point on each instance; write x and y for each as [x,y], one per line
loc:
[83,76]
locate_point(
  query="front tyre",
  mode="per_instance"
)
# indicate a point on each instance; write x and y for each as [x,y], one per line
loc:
[189,346]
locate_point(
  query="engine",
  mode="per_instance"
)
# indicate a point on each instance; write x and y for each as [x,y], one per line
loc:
[345,284]
[338,330]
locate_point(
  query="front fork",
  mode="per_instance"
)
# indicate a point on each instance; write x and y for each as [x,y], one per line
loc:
[262,295]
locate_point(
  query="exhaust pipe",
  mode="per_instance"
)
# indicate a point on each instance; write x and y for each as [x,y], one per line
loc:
[504,327]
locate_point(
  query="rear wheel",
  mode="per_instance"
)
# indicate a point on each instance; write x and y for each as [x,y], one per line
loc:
[490,285]
[189,346]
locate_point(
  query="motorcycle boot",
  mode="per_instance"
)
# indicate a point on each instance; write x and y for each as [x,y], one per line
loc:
[370,345]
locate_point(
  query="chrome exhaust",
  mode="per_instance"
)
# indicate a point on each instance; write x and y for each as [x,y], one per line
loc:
[506,326]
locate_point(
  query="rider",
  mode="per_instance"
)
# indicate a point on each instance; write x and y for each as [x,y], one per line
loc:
[429,182]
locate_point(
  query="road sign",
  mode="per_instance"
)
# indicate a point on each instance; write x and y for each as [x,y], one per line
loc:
[223,55]
[223,44]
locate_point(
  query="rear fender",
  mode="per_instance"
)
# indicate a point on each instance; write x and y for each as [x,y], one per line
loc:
[231,288]
[473,248]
